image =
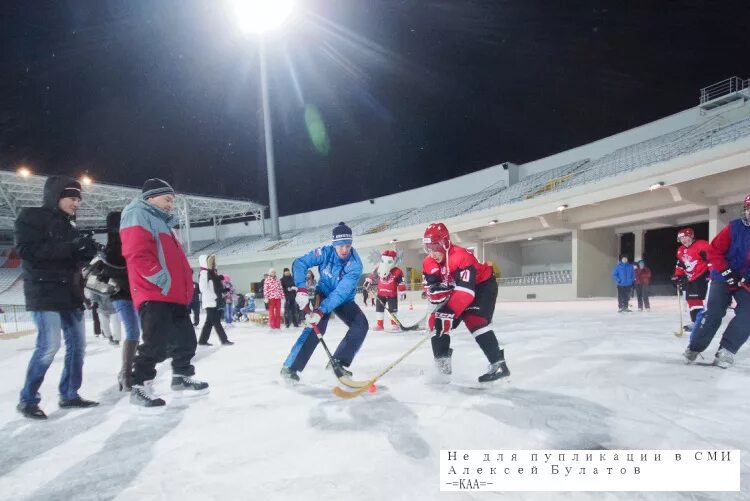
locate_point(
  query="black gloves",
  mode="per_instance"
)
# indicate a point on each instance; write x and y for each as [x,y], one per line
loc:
[85,247]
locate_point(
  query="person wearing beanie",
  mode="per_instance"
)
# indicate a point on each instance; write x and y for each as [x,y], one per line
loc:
[52,253]
[156,187]
[161,285]
[339,269]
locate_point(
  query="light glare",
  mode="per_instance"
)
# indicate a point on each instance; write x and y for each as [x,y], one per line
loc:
[24,172]
[260,16]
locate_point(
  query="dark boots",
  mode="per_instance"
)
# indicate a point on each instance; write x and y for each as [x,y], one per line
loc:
[125,377]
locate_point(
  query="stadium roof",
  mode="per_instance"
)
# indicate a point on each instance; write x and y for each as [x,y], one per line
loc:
[17,191]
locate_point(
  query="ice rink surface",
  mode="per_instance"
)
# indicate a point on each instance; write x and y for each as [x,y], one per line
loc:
[583,377]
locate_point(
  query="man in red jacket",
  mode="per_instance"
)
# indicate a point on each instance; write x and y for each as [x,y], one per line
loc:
[161,284]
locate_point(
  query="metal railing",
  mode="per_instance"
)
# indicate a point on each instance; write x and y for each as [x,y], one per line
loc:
[14,318]
[719,89]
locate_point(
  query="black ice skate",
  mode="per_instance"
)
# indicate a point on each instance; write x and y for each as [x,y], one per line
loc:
[188,386]
[443,364]
[143,395]
[496,370]
[289,375]
[338,368]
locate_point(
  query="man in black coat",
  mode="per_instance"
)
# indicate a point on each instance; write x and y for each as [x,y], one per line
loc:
[291,312]
[52,254]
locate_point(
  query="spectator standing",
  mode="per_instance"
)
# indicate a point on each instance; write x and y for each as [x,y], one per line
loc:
[643,285]
[273,293]
[624,277]
[52,253]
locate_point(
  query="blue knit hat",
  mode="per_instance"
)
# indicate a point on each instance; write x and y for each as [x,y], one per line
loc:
[342,235]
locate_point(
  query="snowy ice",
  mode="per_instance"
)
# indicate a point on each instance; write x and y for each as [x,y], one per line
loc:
[584,377]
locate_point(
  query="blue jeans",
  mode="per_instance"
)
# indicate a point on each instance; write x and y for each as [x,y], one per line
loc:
[352,316]
[49,324]
[129,318]
[228,313]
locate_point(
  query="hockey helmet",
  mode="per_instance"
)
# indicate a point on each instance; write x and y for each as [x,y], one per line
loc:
[685,232]
[436,238]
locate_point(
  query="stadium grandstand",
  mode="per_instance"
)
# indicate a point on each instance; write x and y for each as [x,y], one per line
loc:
[552,228]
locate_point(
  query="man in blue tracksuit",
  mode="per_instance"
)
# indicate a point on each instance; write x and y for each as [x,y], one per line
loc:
[624,277]
[339,268]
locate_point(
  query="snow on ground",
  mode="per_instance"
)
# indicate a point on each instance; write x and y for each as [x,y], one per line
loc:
[584,377]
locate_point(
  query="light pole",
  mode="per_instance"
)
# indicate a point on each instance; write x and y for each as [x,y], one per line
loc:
[260,17]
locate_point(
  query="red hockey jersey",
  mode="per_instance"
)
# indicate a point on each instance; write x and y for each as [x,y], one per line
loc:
[461,269]
[693,261]
[388,286]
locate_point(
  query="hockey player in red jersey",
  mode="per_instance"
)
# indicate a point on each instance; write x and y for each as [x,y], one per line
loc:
[692,271]
[467,291]
[388,277]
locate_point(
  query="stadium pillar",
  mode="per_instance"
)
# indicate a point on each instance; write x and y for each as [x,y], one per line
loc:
[594,257]
[716,220]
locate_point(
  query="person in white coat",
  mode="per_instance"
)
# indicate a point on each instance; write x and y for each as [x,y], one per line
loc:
[212,300]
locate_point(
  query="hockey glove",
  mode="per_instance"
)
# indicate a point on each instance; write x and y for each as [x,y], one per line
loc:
[438,293]
[441,321]
[732,278]
[302,298]
[315,317]
[679,280]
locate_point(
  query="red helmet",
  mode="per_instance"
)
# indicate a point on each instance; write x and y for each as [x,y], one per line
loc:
[685,232]
[390,253]
[436,238]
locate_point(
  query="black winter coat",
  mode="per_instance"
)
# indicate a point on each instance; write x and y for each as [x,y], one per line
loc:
[117,269]
[52,279]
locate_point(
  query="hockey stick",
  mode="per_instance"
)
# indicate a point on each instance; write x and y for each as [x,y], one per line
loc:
[355,393]
[398,322]
[679,332]
[341,376]
[414,327]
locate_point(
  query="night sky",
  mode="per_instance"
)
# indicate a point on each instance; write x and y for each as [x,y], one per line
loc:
[369,97]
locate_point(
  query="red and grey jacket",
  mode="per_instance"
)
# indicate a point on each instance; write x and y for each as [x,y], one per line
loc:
[158,269]
[461,269]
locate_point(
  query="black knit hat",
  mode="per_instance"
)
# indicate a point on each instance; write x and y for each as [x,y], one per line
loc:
[71,190]
[155,187]
[342,235]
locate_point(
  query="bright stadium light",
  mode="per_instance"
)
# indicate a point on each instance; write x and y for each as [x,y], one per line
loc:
[261,16]
[494,221]
[562,207]
[23,171]
[86,180]
[656,186]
